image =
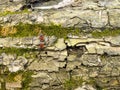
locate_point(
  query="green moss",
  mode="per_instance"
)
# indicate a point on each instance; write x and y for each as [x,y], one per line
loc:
[11,76]
[17,51]
[58,31]
[26,80]
[50,30]
[107,32]
[12,13]
[73,83]
[23,30]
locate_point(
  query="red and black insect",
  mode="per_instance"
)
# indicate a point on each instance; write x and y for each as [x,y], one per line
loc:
[42,41]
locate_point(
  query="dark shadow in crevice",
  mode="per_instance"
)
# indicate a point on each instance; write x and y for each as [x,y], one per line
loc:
[77,50]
